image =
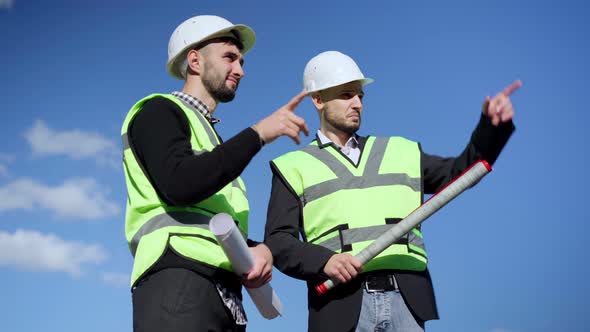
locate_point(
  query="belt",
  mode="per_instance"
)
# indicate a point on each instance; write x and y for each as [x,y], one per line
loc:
[380,283]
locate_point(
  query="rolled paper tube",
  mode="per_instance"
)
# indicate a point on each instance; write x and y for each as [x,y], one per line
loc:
[231,240]
[453,189]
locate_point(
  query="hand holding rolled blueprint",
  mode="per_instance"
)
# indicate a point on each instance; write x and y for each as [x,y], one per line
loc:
[229,237]
[467,179]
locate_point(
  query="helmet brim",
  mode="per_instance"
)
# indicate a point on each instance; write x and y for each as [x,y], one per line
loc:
[245,34]
[364,81]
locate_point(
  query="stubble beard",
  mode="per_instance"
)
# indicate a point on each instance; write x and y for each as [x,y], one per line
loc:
[341,124]
[215,84]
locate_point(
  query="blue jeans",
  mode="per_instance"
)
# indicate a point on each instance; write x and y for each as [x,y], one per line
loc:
[386,311]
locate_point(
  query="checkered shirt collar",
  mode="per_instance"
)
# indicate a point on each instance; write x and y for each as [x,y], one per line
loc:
[196,105]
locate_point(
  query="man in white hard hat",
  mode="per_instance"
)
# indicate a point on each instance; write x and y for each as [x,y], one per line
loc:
[343,190]
[179,174]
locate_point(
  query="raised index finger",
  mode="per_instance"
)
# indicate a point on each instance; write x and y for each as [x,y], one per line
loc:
[512,87]
[291,105]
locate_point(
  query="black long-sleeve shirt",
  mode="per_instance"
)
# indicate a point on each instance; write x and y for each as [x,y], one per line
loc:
[306,261]
[160,138]
[160,135]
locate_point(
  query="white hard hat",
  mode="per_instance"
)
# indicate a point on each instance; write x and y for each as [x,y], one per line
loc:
[329,69]
[199,29]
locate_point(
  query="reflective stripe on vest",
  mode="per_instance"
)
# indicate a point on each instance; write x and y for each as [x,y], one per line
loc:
[174,218]
[204,123]
[328,189]
[348,237]
[152,225]
[346,180]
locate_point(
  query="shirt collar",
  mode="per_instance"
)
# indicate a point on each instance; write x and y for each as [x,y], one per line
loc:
[196,105]
[352,141]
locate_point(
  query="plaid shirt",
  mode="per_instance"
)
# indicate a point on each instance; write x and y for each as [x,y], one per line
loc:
[197,105]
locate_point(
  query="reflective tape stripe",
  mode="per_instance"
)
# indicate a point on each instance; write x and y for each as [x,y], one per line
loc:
[125,141]
[328,159]
[417,249]
[346,180]
[376,156]
[204,123]
[416,243]
[351,236]
[358,182]
[236,184]
[175,218]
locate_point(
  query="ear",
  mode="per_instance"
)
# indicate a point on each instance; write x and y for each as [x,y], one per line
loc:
[193,60]
[316,98]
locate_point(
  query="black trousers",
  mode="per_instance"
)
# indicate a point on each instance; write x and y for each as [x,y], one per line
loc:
[179,300]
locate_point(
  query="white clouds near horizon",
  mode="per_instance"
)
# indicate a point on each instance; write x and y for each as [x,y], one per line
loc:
[4,160]
[34,251]
[75,144]
[75,198]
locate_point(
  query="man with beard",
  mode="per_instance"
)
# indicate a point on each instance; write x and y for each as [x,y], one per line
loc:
[343,190]
[179,174]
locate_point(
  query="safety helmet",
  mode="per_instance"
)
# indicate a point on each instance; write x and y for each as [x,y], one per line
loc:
[198,29]
[329,69]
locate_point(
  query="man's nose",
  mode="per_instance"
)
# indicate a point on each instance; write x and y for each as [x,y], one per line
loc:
[357,103]
[238,70]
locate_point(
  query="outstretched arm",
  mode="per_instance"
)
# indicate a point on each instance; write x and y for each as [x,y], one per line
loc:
[487,141]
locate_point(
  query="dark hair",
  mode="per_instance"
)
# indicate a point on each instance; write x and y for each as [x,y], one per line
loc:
[225,39]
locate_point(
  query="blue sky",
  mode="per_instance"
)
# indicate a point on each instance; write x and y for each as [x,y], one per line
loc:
[507,256]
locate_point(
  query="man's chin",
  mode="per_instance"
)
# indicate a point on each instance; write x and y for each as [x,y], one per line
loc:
[226,99]
[231,85]
[355,125]
[226,95]
[351,129]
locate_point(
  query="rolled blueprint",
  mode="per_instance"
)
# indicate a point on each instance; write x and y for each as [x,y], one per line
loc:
[231,240]
[467,179]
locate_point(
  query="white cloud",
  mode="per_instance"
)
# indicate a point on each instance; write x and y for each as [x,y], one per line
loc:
[34,251]
[75,144]
[116,279]
[6,4]
[79,198]
[5,159]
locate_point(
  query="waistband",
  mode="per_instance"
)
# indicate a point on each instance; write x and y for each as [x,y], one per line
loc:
[379,282]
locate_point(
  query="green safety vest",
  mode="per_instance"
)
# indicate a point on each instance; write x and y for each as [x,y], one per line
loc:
[346,207]
[151,224]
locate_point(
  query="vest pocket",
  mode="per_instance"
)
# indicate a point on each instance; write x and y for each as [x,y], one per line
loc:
[335,243]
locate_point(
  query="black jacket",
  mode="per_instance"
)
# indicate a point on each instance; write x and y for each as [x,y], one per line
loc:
[339,309]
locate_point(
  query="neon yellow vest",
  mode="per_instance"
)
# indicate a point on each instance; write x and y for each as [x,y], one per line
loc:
[151,225]
[346,207]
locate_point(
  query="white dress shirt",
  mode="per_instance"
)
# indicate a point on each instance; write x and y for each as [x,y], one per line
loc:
[351,149]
